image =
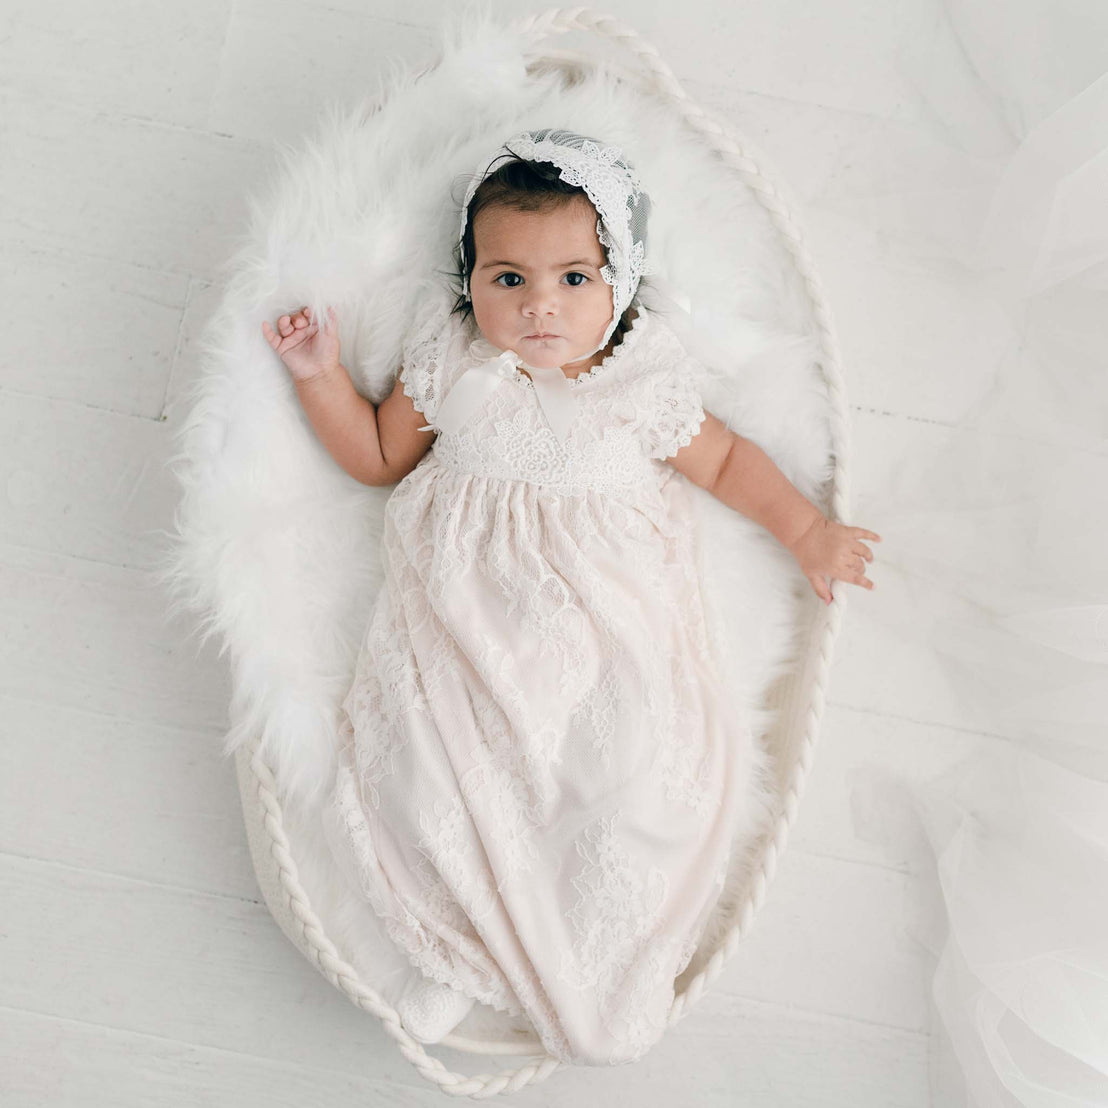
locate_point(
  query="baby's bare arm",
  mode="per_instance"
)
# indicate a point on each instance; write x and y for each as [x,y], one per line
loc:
[749,482]
[377,446]
[402,442]
[741,475]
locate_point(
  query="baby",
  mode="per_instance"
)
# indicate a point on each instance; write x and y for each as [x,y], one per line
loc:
[531,297]
[541,776]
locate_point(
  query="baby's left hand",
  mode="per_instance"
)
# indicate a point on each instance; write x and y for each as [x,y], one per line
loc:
[830,550]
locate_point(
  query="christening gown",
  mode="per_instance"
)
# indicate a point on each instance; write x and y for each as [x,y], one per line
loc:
[540,773]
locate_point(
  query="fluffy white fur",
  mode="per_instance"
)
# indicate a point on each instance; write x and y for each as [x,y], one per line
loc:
[278,548]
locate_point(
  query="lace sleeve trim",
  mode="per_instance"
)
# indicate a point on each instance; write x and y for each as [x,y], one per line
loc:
[423,355]
[676,415]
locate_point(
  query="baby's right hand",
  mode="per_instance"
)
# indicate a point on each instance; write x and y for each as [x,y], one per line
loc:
[306,351]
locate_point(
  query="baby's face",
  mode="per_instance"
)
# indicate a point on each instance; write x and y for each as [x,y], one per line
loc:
[538,274]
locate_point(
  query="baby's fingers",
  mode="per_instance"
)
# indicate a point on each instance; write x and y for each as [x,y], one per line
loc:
[284,329]
[290,336]
[858,577]
[271,336]
[821,587]
[288,324]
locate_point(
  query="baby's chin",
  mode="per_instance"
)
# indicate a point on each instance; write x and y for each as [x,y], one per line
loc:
[550,353]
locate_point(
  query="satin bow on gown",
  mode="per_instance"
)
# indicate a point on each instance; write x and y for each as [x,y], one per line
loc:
[475,386]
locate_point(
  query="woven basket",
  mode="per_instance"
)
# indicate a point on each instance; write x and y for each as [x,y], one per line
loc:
[797,700]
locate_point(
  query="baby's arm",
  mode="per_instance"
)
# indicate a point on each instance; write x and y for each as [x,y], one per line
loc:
[375,445]
[738,473]
[379,445]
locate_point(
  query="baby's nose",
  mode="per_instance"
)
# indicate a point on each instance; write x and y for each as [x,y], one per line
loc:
[541,302]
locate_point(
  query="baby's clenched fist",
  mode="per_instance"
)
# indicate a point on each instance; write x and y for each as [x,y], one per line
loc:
[306,351]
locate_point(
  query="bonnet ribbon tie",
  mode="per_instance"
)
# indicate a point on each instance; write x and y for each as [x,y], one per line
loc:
[477,384]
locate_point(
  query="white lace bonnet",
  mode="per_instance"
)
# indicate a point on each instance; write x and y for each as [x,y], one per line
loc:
[612,185]
[622,208]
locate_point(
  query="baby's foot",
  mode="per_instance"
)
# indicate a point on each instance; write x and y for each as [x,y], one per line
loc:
[430,1010]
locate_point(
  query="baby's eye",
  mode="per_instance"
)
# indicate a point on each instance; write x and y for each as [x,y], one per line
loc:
[576,284]
[511,286]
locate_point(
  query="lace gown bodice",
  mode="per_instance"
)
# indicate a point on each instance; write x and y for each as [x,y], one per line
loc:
[540,772]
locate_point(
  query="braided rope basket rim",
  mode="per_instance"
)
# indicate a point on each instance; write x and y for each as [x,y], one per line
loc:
[256,780]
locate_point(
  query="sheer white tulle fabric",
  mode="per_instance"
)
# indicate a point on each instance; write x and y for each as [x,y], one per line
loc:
[995,540]
[540,768]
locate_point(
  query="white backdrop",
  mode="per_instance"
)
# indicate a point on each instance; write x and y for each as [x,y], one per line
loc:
[1001,535]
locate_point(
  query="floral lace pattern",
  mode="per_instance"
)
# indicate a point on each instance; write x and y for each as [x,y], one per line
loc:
[540,772]
[617,913]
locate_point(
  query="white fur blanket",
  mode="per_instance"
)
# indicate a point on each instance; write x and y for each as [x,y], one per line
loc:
[278,547]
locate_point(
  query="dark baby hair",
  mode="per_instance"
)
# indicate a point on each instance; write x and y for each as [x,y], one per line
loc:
[526,186]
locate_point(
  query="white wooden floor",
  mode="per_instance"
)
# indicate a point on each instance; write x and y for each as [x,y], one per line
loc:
[139,965]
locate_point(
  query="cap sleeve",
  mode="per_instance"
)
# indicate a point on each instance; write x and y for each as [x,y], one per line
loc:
[426,351]
[674,408]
